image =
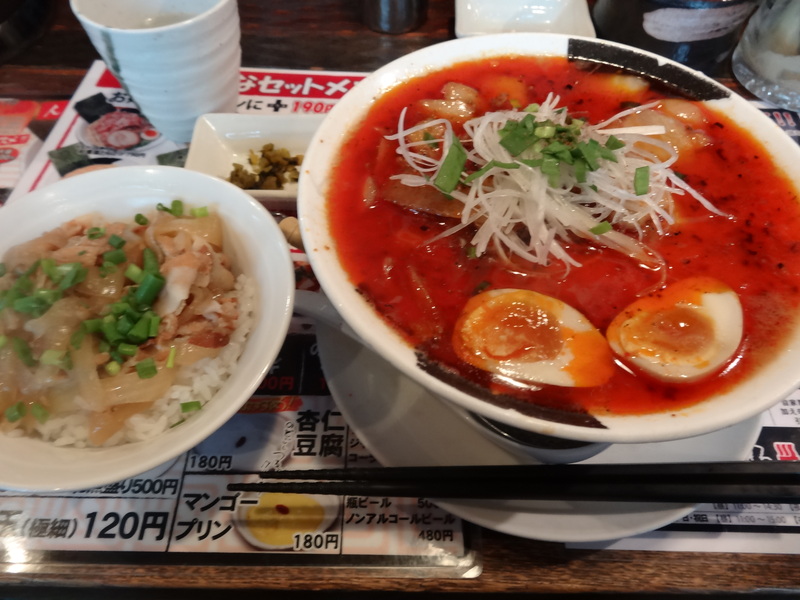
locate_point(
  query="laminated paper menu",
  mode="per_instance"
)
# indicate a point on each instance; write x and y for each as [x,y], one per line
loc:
[183,510]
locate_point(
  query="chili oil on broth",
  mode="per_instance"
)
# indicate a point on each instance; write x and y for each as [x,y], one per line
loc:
[420,286]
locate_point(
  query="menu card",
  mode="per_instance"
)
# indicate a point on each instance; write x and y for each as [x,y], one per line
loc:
[183,509]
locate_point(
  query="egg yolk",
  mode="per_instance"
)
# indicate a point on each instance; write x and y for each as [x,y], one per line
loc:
[530,337]
[671,334]
[515,330]
[683,332]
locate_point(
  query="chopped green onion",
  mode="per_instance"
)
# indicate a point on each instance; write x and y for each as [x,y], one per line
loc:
[124,325]
[116,241]
[580,170]
[430,139]
[472,252]
[76,339]
[95,233]
[155,322]
[127,349]
[119,308]
[31,305]
[589,152]
[32,269]
[15,412]
[141,219]
[73,274]
[146,368]
[601,228]
[49,296]
[92,325]
[134,273]
[641,181]
[8,297]
[559,151]
[173,351]
[480,287]
[175,209]
[116,256]
[149,289]
[550,167]
[533,163]
[604,152]
[452,166]
[546,130]
[50,269]
[200,211]
[149,261]
[518,136]
[191,406]
[139,332]
[112,367]
[39,412]
[53,357]
[614,143]
[109,330]
[488,167]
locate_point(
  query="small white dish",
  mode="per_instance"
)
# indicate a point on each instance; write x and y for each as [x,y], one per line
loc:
[222,139]
[482,17]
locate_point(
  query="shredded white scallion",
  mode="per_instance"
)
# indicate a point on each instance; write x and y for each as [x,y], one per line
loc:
[517,207]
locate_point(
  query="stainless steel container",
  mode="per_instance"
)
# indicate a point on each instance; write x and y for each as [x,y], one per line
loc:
[394,16]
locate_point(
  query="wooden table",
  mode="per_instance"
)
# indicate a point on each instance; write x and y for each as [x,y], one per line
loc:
[328,34]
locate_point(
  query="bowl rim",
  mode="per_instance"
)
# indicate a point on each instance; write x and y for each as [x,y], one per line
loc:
[134,187]
[378,335]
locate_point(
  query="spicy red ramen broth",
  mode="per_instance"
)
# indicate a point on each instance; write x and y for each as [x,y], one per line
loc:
[420,286]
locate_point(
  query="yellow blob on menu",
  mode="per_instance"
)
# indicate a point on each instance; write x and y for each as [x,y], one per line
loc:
[277,517]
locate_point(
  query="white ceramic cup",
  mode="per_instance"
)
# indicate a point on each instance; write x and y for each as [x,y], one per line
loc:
[178,59]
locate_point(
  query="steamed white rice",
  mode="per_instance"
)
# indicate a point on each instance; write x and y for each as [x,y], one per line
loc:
[203,380]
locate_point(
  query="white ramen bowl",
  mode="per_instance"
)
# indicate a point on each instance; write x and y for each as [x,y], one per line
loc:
[755,394]
[258,249]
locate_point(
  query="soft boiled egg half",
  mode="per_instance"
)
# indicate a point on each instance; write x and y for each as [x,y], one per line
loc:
[531,337]
[684,332]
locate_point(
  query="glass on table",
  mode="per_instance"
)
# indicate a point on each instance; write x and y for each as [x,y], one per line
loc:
[767,59]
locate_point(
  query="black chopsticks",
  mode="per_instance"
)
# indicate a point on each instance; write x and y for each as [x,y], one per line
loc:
[696,483]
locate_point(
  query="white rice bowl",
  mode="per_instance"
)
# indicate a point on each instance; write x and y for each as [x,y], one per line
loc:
[58,459]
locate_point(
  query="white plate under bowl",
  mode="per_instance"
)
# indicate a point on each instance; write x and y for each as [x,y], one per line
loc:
[257,247]
[402,424]
[221,139]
